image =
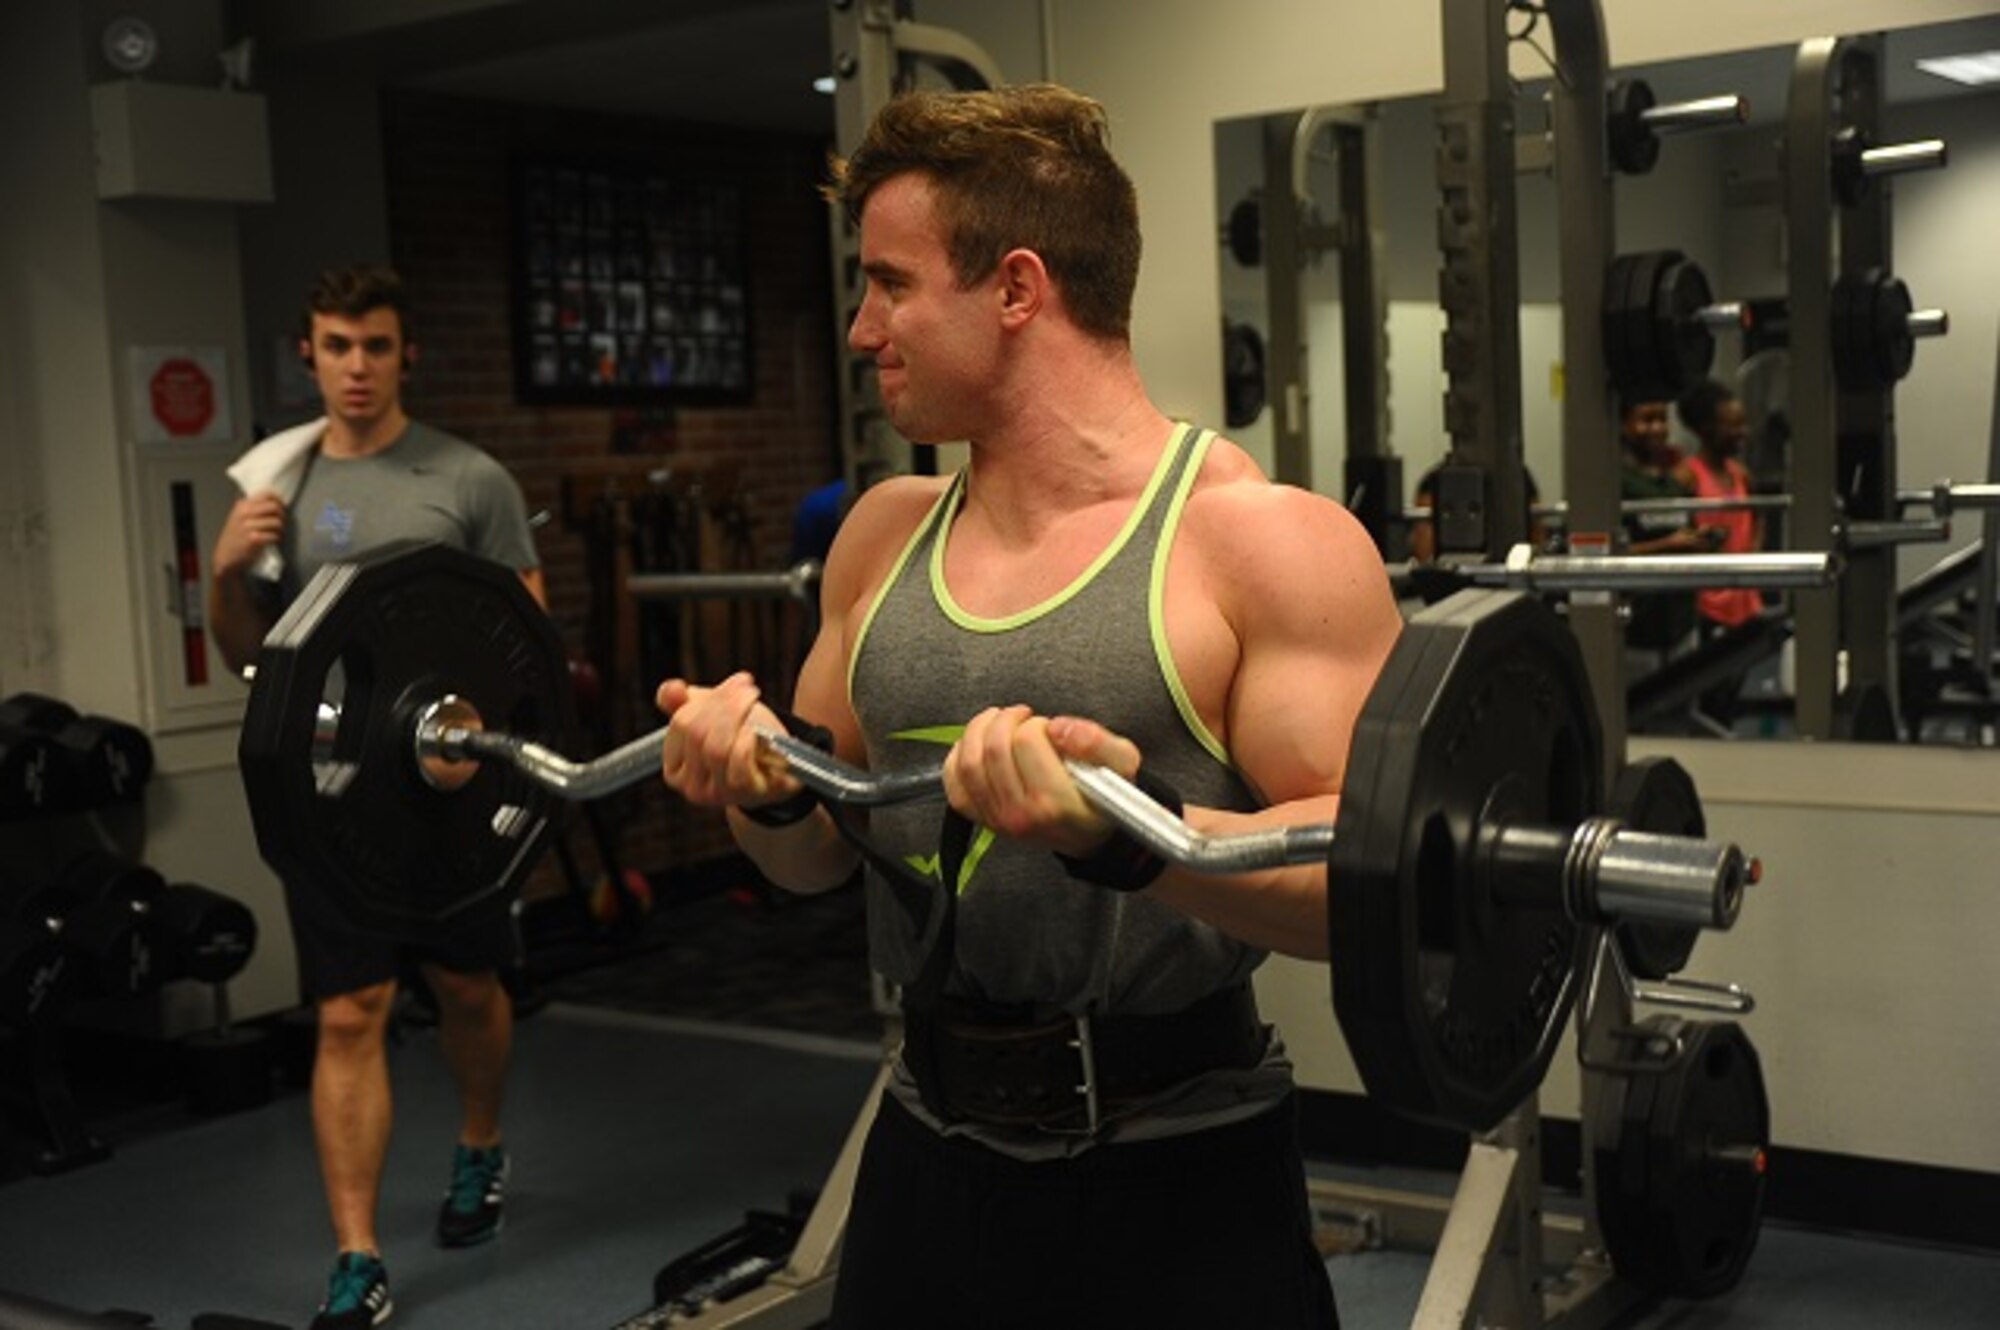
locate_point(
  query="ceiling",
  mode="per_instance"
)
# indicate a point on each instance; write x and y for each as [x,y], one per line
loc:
[739,63]
[751,63]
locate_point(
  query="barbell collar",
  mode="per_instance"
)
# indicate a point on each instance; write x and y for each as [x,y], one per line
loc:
[1901,158]
[1602,871]
[1725,111]
[797,582]
[1655,878]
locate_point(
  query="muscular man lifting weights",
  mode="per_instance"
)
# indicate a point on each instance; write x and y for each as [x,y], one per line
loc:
[1101,582]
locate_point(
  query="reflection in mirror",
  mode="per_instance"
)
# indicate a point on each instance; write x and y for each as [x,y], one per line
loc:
[1716,198]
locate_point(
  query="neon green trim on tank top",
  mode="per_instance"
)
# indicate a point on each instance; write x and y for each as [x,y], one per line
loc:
[1156,606]
[974,623]
[896,571]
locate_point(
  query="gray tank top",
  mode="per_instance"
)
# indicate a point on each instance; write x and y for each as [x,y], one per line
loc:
[1027,933]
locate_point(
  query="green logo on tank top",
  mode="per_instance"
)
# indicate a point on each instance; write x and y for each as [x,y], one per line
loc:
[932,865]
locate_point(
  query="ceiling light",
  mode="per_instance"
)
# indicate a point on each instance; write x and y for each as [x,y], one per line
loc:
[824,83]
[1974,70]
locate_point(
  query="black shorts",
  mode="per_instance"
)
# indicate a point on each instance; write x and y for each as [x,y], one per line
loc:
[1195,1232]
[336,958]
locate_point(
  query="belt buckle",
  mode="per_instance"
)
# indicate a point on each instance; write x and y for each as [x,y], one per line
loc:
[1086,1056]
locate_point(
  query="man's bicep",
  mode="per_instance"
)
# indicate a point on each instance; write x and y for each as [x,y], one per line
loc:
[1296,712]
[1306,673]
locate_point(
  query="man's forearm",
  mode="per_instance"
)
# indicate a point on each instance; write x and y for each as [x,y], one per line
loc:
[235,620]
[806,857]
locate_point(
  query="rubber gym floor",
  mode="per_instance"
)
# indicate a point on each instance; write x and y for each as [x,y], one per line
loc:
[712,1070]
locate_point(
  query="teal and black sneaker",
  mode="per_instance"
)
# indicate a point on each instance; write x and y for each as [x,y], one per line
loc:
[471,1211]
[357,1294]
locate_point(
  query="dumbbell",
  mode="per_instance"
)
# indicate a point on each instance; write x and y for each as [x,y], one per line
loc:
[37,980]
[101,761]
[209,937]
[106,906]
[205,935]
[30,776]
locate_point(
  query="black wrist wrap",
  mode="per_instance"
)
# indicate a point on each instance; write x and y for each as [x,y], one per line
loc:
[1122,863]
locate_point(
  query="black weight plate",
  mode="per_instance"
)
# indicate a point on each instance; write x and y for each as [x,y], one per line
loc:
[1635,148]
[1684,344]
[1243,374]
[1657,794]
[1681,1182]
[1889,325]
[1451,1003]
[1245,233]
[349,816]
[1618,363]
[1642,329]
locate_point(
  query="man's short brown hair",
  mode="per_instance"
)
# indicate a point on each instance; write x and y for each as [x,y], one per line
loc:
[356,290]
[1014,168]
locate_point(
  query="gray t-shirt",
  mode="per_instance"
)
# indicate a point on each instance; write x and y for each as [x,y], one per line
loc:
[426,485]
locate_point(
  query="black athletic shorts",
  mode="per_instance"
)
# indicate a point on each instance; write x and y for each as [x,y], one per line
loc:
[336,958]
[1209,1231]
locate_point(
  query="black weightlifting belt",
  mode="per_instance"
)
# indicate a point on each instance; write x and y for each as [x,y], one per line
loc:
[1067,1073]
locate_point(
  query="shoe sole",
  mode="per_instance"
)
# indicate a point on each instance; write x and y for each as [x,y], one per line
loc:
[474,1240]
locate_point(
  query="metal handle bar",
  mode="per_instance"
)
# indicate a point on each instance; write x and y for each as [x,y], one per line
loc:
[1595,871]
[1603,869]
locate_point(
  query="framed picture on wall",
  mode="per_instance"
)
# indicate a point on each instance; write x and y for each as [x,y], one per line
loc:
[630,286]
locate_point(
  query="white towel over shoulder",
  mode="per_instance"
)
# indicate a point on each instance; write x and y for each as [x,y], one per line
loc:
[277,465]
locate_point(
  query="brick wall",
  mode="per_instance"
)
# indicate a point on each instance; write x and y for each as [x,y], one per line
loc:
[450,183]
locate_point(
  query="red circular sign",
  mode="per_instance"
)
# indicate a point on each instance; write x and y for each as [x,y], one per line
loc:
[183,397]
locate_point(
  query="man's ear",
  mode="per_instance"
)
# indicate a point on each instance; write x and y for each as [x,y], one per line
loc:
[306,352]
[1024,286]
[409,356]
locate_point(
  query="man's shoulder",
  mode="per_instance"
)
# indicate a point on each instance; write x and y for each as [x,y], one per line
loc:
[1253,523]
[428,446]
[429,438]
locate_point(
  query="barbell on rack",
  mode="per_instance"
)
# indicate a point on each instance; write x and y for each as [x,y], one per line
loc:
[1525,570]
[403,755]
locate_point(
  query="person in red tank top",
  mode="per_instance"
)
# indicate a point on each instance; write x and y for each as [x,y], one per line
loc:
[1714,416]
